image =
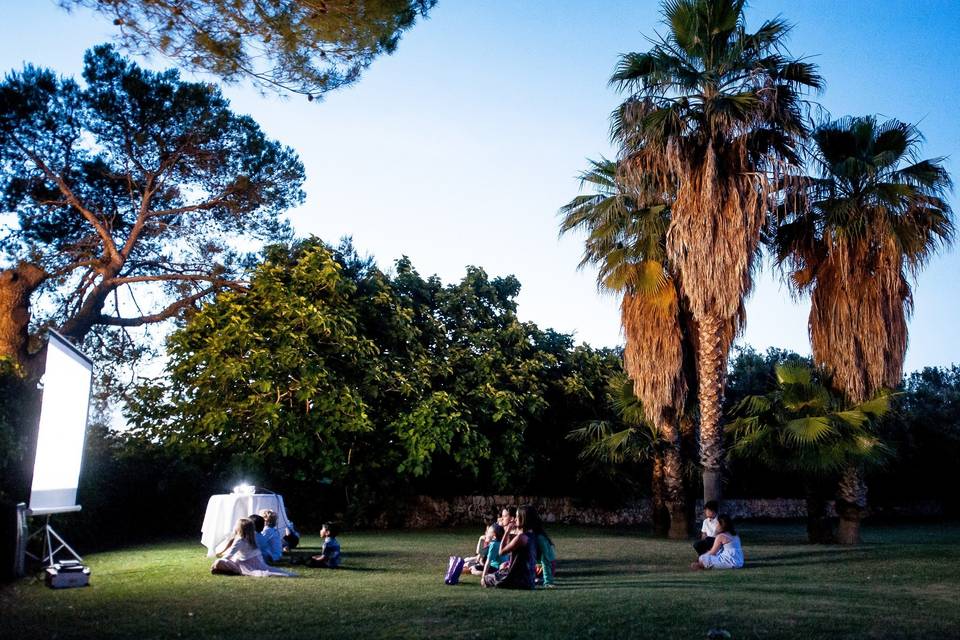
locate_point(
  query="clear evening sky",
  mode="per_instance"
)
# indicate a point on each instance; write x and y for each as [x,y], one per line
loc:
[459,149]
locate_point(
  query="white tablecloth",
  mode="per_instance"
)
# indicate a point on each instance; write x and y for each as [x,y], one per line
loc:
[223,511]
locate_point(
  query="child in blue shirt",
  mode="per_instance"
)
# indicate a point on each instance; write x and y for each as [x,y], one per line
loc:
[492,558]
[329,557]
[272,544]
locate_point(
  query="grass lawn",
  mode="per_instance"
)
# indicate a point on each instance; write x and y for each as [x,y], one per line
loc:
[903,583]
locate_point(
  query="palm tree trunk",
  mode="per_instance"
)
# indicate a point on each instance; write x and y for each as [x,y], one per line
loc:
[673,481]
[851,504]
[710,369]
[819,528]
[658,502]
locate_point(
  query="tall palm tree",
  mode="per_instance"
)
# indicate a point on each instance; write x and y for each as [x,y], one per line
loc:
[715,113]
[627,243]
[868,220]
[803,427]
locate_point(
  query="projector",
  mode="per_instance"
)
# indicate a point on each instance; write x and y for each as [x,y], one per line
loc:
[66,574]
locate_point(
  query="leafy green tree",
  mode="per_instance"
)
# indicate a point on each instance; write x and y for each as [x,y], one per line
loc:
[326,369]
[926,433]
[130,197]
[871,216]
[299,46]
[801,427]
[278,373]
[714,116]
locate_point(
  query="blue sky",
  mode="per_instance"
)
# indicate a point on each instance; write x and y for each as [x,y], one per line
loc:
[458,149]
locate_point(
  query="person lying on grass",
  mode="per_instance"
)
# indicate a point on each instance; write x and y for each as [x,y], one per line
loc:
[242,557]
[521,543]
[329,557]
[725,552]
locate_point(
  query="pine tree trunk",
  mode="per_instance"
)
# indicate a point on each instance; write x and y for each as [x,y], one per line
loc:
[711,369]
[16,287]
[851,504]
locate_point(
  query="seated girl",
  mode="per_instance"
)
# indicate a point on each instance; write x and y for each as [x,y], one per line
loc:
[725,552]
[521,544]
[242,557]
[546,551]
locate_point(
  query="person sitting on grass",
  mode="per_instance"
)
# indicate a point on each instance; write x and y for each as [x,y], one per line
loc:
[272,548]
[329,557]
[725,552]
[709,528]
[492,559]
[291,537]
[521,543]
[242,557]
[546,552]
[483,544]
[508,518]
[258,524]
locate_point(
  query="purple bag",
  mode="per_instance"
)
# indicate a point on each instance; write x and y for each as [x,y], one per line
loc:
[454,567]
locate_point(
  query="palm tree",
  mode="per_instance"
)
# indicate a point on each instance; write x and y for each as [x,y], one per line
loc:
[714,115]
[870,218]
[800,426]
[632,438]
[627,244]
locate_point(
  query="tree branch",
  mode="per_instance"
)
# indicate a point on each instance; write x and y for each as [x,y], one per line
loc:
[166,314]
[185,277]
[109,245]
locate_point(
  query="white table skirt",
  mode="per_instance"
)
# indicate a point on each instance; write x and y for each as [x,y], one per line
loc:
[224,510]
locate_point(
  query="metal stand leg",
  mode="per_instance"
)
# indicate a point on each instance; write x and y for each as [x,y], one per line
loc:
[49,553]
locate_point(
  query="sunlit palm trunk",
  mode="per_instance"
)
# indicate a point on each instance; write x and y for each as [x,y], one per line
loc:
[710,369]
[851,504]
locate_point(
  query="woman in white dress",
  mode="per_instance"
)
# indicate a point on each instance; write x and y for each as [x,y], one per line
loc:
[726,552]
[242,557]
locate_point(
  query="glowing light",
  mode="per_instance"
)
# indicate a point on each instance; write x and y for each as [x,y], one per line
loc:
[244,489]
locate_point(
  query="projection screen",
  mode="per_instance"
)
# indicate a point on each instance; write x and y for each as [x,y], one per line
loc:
[63,424]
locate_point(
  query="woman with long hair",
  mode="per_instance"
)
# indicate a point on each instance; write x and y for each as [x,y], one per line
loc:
[521,543]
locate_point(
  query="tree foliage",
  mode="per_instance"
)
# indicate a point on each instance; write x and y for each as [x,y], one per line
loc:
[328,368]
[131,196]
[713,116]
[299,46]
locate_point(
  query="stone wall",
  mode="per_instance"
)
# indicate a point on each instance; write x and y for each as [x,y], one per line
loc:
[426,512]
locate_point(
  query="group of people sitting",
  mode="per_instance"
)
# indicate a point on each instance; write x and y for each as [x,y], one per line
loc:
[514,552]
[257,545]
[719,544]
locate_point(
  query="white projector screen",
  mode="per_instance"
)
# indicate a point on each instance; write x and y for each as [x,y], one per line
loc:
[63,424]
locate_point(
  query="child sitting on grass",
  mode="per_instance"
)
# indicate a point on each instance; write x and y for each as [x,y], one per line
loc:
[242,557]
[272,548]
[329,557]
[709,528]
[480,555]
[726,552]
[492,560]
